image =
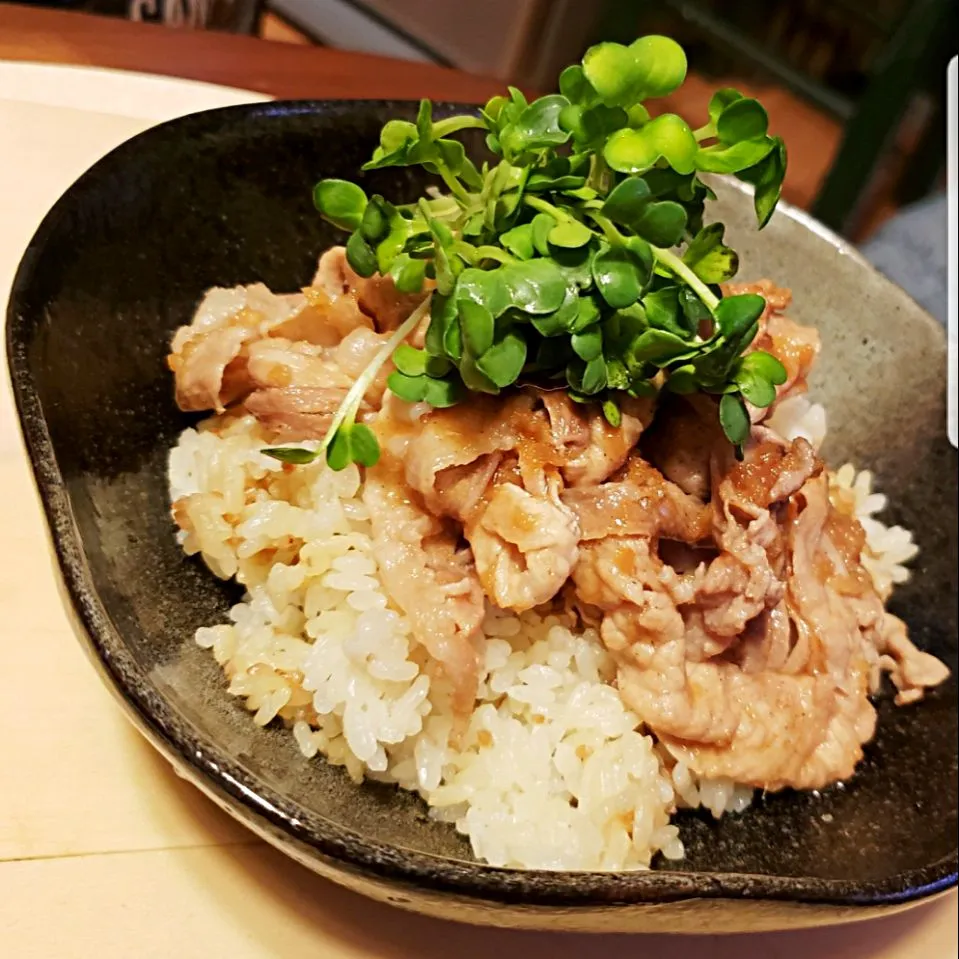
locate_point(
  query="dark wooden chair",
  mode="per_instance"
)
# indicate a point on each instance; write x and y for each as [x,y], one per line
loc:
[870,62]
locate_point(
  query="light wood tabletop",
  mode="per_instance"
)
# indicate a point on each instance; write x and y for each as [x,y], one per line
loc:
[103,851]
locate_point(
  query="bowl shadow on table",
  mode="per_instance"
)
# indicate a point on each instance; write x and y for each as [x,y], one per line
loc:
[296,898]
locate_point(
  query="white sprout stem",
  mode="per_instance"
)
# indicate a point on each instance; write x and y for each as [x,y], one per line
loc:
[358,390]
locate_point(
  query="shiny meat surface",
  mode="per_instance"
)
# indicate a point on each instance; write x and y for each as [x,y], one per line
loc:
[247,339]
[375,296]
[503,467]
[757,663]
[748,636]
[497,467]
[427,573]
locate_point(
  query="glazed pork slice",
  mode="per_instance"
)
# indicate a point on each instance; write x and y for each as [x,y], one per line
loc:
[204,354]
[375,296]
[590,448]
[502,466]
[492,466]
[296,388]
[753,658]
[428,573]
[210,357]
[681,440]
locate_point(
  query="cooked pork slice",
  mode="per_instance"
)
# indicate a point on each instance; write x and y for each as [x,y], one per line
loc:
[494,465]
[795,346]
[298,387]
[638,501]
[681,441]
[747,577]
[777,298]
[911,670]
[428,576]
[298,412]
[208,357]
[756,663]
[463,439]
[525,546]
[568,422]
[376,296]
[200,363]
[608,446]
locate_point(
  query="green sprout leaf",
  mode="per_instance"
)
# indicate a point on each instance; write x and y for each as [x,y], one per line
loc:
[709,258]
[375,223]
[612,413]
[732,159]
[409,360]
[734,418]
[658,347]
[720,100]
[758,391]
[443,315]
[761,363]
[503,362]
[339,454]
[562,320]
[743,119]
[442,393]
[536,286]
[662,223]
[407,274]
[620,276]
[736,314]
[589,378]
[540,228]
[660,66]
[341,202]
[667,136]
[580,258]
[359,255]
[411,388]
[651,66]
[536,128]
[364,447]
[663,312]
[588,344]
[767,176]
[570,234]
[476,326]
[487,287]
[519,241]
[291,454]
[627,200]
[574,85]
[609,69]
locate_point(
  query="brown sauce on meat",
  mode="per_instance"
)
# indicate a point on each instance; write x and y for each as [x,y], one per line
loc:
[755,477]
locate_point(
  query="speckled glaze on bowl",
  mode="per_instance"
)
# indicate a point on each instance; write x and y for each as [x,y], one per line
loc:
[223,198]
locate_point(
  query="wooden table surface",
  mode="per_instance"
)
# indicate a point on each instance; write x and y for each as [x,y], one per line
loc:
[103,851]
[284,71]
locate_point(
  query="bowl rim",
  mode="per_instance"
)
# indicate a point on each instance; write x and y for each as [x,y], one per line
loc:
[254,802]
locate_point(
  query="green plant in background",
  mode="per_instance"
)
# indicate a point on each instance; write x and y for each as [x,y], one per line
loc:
[579,259]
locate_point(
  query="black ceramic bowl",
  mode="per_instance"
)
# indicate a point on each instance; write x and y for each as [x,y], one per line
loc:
[223,198]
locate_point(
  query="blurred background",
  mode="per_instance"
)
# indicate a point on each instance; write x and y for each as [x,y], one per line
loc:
[855,87]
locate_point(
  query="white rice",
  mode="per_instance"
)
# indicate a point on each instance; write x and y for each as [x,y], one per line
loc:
[552,771]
